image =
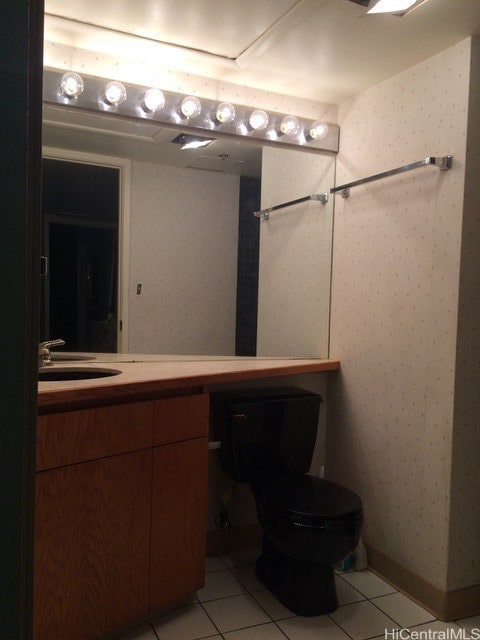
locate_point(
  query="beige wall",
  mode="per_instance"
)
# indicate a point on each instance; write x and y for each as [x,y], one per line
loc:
[184,234]
[396,269]
[295,256]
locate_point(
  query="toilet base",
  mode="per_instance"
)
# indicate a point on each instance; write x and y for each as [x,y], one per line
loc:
[305,588]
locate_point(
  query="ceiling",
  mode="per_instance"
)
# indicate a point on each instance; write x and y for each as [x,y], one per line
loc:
[325,50]
[94,133]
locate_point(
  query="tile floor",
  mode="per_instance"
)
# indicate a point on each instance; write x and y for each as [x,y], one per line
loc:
[234,605]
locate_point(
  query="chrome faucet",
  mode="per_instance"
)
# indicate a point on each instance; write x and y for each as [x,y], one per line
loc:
[44,356]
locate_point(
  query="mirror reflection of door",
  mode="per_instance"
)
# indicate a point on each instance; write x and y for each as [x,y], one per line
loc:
[80,217]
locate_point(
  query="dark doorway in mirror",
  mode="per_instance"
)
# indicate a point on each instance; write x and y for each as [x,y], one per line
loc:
[80,241]
[247,267]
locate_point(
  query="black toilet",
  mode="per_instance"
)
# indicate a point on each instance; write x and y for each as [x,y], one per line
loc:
[309,524]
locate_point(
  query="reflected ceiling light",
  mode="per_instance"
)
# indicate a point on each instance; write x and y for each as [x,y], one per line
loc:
[190,107]
[258,120]
[243,128]
[394,6]
[225,113]
[71,85]
[316,131]
[190,141]
[289,126]
[115,93]
[153,100]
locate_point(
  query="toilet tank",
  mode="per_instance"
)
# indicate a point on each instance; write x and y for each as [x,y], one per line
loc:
[265,432]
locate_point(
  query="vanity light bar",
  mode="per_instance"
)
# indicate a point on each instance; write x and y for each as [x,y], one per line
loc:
[171,109]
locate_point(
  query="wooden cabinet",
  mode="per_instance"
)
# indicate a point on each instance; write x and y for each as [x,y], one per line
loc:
[178,499]
[92,546]
[120,514]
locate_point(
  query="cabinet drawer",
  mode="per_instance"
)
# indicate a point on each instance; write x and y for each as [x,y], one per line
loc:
[181,418]
[89,434]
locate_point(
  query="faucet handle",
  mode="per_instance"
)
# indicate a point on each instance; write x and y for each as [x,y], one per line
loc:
[44,351]
[48,344]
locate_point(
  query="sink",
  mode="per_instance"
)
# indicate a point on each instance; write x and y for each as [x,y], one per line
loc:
[58,356]
[52,374]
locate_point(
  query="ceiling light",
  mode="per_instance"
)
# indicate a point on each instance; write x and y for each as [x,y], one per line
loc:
[258,120]
[153,100]
[316,131]
[71,85]
[115,93]
[225,113]
[289,126]
[190,107]
[393,6]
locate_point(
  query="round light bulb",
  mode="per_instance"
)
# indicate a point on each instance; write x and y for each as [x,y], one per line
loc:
[225,112]
[289,126]
[258,120]
[191,107]
[153,100]
[243,128]
[115,93]
[71,84]
[317,130]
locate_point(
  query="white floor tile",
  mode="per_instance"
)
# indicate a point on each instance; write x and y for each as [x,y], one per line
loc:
[362,620]
[346,593]
[212,563]
[247,577]
[272,606]
[240,558]
[368,583]
[469,623]
[315,628]
[219,584]
[403,610]
[234,613]
[144,632]
[188,623]
[268,631]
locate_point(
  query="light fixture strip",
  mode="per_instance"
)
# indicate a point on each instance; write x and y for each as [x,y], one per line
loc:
[92,100]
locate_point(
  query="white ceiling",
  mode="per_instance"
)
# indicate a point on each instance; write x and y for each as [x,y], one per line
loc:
[325,50]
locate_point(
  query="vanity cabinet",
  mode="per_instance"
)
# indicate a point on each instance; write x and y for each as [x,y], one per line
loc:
[120,514]
[178,499]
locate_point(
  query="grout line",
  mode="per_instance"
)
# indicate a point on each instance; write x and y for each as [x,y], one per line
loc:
[281,630]
[210,618]
[154,630]
[339,626]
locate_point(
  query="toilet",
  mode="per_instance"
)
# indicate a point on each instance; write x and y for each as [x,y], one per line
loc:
[309,524]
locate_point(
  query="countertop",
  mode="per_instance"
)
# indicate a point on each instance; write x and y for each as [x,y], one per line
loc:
[144,375]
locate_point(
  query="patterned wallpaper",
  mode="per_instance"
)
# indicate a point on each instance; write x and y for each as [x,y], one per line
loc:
[295,256]
[184,230]
[397,249]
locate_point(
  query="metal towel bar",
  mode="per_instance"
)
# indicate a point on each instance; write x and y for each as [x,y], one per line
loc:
[265,213]
[443,163]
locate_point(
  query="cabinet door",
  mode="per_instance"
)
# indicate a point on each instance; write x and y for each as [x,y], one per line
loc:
[92,542]
[179,491]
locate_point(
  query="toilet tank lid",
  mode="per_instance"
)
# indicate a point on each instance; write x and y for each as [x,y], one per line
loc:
[308,497]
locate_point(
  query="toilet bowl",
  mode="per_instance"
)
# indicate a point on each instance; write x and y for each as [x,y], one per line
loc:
[309,524]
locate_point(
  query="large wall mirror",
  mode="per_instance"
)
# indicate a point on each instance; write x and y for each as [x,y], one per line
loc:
[154,249]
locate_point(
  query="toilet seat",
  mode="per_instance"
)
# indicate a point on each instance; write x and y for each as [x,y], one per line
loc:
[308,501]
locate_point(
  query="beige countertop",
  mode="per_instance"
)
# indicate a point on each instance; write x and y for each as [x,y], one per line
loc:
[142,375]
